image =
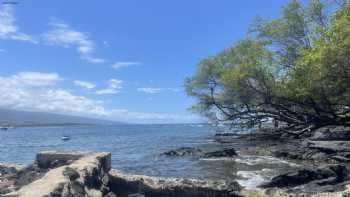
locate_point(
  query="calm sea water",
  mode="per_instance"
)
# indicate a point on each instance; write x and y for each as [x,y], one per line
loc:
[137,149]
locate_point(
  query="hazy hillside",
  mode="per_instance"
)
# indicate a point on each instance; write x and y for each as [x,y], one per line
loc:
[26,118]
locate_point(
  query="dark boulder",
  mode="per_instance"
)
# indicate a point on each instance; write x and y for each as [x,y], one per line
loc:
[229,152]
[225,134]
[320,151]
[29,174]
[125,184]
[325,175]
[332,133]
[183,151]
[71,173]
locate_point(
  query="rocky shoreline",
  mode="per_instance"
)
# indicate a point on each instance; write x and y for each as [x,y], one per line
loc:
[70,174]
[325,171]
[324,157]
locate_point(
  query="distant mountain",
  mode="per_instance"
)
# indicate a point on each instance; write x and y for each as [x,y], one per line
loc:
[26,118]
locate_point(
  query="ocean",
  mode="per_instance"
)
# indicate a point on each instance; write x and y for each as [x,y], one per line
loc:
[138,149]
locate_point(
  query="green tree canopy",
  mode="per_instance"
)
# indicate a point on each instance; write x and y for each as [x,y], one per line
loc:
[294,69]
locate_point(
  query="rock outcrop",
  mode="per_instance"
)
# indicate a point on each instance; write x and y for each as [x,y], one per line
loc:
[331,133]
[87,174]
[183,151]
[320,151]
[228,152]
[122,184]
[312,180]
[188,151]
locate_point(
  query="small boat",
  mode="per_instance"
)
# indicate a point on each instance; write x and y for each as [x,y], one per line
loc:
[65,138]
[4,128]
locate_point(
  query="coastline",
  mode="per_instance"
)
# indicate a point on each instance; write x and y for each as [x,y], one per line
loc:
[321,168]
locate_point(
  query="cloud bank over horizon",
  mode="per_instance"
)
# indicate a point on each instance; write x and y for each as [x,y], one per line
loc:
[38,91]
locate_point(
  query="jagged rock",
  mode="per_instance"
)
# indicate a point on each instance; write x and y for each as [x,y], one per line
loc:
[183,151]
[329,174]
[125,184]
[71,173]
[332,133]
[229,152]
[87,176]
[321,151]
[53,159]
[330,146]
[13,177]
[29,174]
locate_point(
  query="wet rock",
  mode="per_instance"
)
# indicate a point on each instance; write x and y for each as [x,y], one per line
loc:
[29,174]
[320,151]
[330,146]
[136,195]
[125,184]
[90,175]
[183,151]
[229,152]
[13,177]
[53,159]
[326,175]
[332,133]
[225,134]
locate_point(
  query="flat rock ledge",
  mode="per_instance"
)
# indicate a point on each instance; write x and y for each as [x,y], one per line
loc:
[122,184]
[89,174]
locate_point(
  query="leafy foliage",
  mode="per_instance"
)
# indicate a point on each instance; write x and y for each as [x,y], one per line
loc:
[294,69]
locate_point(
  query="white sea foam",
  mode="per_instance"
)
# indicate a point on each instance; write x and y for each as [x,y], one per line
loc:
[217,159]
[252,179]
[255,160]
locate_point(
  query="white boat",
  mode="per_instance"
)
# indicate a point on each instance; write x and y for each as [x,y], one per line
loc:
[65,138]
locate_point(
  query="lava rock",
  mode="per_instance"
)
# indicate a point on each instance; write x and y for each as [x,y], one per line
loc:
[329,174]
[332,133]
[183,151]
[229,152]
[225,134]
[126,184]
[71,173]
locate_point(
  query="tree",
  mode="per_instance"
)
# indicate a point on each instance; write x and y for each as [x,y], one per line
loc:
[294,69]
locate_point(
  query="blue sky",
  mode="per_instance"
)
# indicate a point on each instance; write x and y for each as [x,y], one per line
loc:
[119,60]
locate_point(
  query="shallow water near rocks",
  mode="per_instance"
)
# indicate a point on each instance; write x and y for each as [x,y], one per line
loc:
[137,149]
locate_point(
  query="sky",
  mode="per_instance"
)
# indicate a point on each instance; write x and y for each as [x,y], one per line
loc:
[117,60]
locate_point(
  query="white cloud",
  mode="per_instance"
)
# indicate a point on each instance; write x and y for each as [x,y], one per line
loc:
[8,28]
[114,85]
[118,65]
[37,92]
[84,84]
[36,78]
[62,34]
[106,91]
[149,90]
